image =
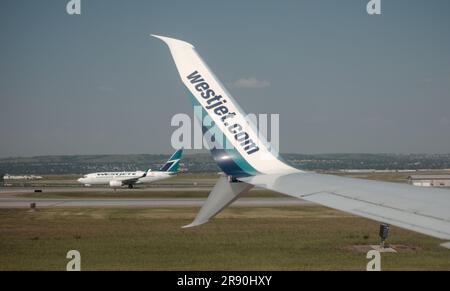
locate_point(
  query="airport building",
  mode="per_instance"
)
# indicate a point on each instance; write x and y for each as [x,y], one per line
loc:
[429,180]
[22,177]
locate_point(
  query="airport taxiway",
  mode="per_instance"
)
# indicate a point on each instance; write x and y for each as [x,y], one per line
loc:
[10,198]
[16,202]
[19,190]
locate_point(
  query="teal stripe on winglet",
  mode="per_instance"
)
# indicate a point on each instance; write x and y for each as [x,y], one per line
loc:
[233,152]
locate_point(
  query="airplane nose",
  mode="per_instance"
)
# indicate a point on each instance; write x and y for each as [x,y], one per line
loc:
[80,180]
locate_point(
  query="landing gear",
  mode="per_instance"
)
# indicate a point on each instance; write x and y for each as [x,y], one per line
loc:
[130,186]
[384,233]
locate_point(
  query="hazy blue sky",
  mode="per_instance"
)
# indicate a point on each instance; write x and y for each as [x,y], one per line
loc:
[341,80]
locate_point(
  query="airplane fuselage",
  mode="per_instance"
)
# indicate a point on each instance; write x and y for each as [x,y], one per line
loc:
[118,179]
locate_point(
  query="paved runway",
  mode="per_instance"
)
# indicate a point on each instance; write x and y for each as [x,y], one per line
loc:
[14,202]
[18,190]
[9,199]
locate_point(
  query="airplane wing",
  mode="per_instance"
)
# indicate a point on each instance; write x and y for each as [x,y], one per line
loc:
[250,161]
[129,181]
[419,209]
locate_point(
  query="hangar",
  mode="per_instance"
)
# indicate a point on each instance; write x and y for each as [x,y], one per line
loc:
[430,180]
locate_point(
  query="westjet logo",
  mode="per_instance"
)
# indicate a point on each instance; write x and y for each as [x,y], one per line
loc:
[217,104]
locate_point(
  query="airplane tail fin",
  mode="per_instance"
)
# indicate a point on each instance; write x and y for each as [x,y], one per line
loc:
[173,162]
[236,145]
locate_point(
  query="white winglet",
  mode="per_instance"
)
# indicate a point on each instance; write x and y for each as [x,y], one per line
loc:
[239,149]
[223,194]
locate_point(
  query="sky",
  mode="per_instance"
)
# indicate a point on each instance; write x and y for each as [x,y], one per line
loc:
[342,81]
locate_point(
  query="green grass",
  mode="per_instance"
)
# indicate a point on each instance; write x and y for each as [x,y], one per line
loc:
[256,238]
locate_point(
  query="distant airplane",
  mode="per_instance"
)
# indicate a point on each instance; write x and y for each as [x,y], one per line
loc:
[131,178]
[250,163]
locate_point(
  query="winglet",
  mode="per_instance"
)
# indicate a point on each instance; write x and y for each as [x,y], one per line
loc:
[223,194]
[193,224]
[173,41]
[238,148]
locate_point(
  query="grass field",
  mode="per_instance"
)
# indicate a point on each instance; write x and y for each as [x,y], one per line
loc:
[256,238]
[306,237]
